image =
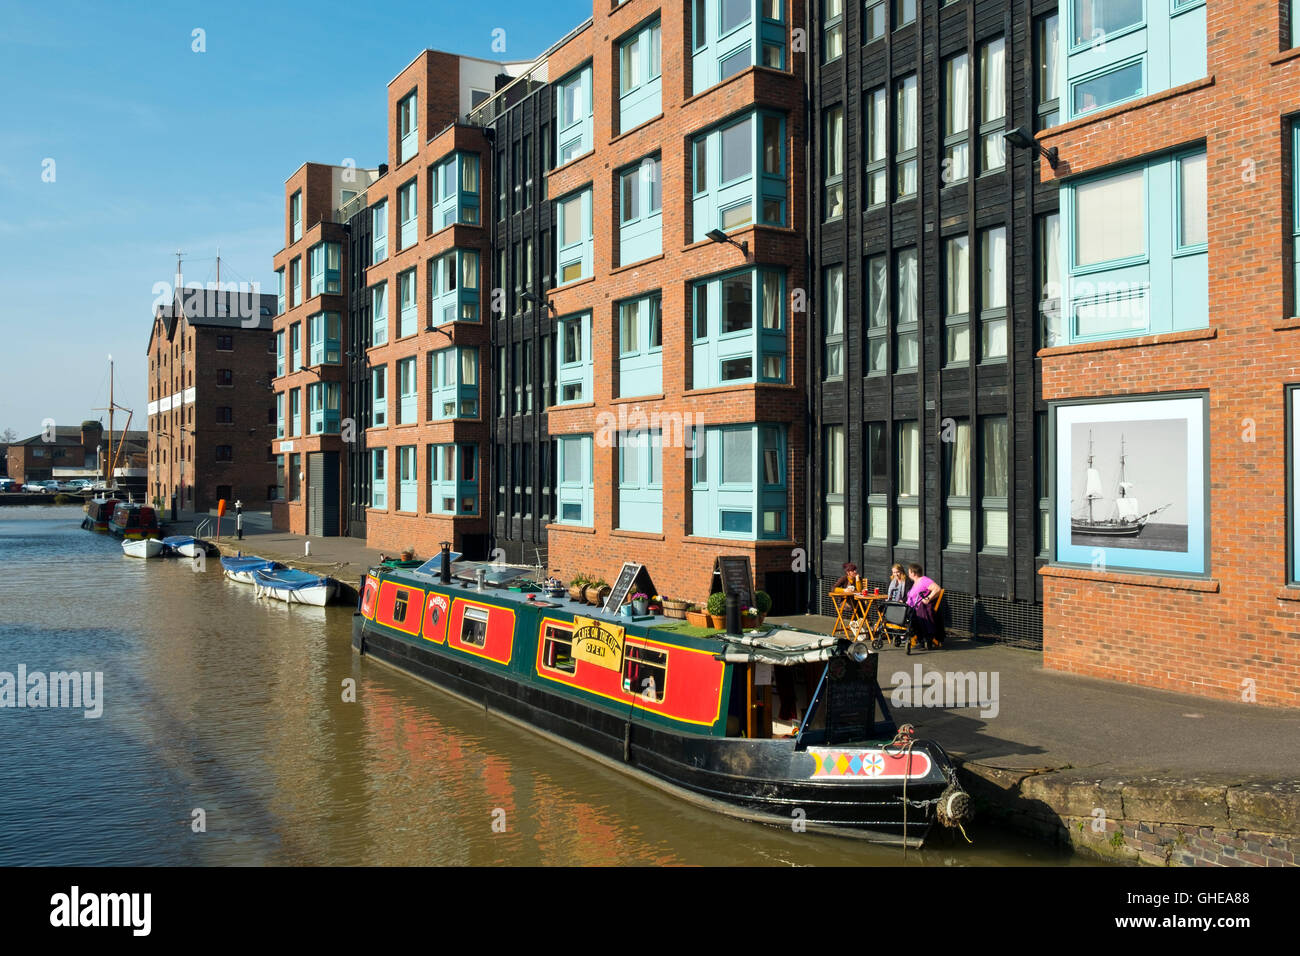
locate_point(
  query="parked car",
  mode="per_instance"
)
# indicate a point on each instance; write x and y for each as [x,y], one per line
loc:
[68,486]
[35,487]
[8,484]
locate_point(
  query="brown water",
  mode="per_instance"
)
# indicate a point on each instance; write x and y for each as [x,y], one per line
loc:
[214,700]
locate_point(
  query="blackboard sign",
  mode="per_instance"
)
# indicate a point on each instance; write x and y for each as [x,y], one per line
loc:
[736,577]
[622,586]
[851,699]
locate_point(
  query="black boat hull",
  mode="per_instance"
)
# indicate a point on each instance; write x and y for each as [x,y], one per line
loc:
[762,780]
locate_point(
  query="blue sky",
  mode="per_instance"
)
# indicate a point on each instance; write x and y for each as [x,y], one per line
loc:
[156,148]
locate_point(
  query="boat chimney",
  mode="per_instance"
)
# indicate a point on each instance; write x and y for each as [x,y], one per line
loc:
[444,572]
[733,613]
[480,578]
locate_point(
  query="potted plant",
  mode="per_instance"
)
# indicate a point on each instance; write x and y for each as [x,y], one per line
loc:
[717,609]
[640,604]
[695,617]
[674,607]
[577,586]
[762,601]
[408,554]
[656,604]
[596,592]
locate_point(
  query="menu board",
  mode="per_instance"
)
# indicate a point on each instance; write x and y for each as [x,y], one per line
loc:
[622,586]
[736,577]
[851,699]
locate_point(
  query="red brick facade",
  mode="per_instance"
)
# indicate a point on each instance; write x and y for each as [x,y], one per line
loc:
[1232,634]
[680,563]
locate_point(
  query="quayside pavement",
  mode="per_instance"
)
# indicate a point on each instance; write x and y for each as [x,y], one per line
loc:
[1117,771]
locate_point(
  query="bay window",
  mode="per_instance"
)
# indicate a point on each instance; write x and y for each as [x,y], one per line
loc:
[453,383]
[640,346]
[639,77]
[573,242]
[575,485]
[739,175]
[739,328]
[640,198]
[453,479]
[573,116]
[640,481]
[739,482]
[574,374]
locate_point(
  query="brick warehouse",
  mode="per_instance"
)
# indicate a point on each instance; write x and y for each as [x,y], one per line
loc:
[1212,335]
[210,409]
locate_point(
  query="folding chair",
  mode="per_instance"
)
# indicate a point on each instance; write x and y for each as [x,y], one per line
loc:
[895,624]
[934,640]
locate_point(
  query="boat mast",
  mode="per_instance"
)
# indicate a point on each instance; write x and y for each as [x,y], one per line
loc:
[108,476]
[1090,499]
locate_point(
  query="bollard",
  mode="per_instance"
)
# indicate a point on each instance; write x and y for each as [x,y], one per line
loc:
[239,525]
[306,548]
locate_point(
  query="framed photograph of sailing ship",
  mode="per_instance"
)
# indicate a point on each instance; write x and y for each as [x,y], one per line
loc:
[1131,483]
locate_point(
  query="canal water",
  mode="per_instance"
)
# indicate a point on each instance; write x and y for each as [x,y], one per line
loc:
[225,738]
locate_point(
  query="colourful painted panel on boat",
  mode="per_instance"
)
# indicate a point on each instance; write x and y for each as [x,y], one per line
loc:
[679,683]
[368,597]
[436,608]
[399,607]
[481,629]
[831,763]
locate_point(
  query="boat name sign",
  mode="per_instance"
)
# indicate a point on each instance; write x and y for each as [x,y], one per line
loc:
[597,642]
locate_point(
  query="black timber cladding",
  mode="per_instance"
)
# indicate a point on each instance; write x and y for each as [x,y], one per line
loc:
[994,593]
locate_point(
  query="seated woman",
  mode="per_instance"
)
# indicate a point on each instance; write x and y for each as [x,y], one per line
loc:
[849,577]
[921,600]
[897,583]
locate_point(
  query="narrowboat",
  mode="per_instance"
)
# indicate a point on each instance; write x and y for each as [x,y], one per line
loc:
[680,708]
[99,511]
[134,522]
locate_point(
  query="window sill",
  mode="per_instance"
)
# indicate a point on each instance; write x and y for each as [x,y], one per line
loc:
[568,406]
[1137,341]
[636,399]
[1292,591]
[1285,325]
[740,542]
[573,283]
[722,389]
[1131,578]
[1285,56]
[638,535]
[575,528]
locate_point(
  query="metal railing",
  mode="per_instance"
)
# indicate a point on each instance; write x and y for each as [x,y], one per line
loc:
[514,91]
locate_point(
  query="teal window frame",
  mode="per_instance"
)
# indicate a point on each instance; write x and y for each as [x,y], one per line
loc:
[573,250]
[379,314]
[575,484]
[279,414]
[454,185]
[379,397]
[407,304]
[379,479]
[640,210]
[574,371]
[1164,288]
[295,282]
[379,232]
[408,479]
[295,216]
[453,287]
[408,213]
[279,354]
[640,76]
[640,345]
[408,390]
[408,127]
[323,261]
[574,115]
[719,501]
[763,342]
[453,383]
[295,411]
[1167,42]
[323,400]
[295,347]
[460,486]
[904,13]
[766,182]
[324,337]
[717,54]
[640,480]
[279,291]
[1295,213]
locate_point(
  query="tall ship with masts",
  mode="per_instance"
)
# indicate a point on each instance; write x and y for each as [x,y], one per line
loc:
[1126,518]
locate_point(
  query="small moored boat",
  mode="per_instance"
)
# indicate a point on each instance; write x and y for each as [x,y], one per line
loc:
[241,567]
[294,587]
[189,547]
[143,548]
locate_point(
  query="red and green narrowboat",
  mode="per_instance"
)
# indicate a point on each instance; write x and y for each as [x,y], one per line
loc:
[99,511]
[133,522]
[686,711]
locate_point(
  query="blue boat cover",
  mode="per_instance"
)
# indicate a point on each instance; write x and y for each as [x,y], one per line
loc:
[287,579]
[249,563]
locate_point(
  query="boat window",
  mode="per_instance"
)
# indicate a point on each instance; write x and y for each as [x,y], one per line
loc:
[557,648]
[400,604]
[473,629]
[645,672]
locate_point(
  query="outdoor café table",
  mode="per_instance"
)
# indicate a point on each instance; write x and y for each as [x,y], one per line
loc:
[865,602]
[843,600]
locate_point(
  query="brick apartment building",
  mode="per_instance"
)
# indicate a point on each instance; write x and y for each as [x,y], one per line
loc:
[1176,358]
[211,414]
[61,447]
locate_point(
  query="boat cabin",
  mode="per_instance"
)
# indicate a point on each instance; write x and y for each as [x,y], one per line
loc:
[134,521]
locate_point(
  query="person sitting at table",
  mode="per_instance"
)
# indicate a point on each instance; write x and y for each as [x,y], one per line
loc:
[849,577]
[897,584]
[921,599]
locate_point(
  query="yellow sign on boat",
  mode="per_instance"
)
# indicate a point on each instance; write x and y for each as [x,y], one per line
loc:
[598,643]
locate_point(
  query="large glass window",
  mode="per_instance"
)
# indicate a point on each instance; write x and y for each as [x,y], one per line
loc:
[833,333]
[956,118]
[574,488]
[640,194]
[379,233]
[408,315]
[639,77]
[325,335]
[1096,20]
[408,214]
[956,476]
[640,346]
[739,482]
[907,482]
[993,293]
[295,216]
[1048,76]
[739,328]
[573,107]
[1110,218]
[574,375]
[640,481]
[407,129]
[876,275]
[993,104]
[834,481]
[956,297]
[905,137]
[379,396]
[833,163]
[407,396]
[739,175]
[906,343]
[573,237]
[379,314]
[994,483]
[832,30]
[877,139]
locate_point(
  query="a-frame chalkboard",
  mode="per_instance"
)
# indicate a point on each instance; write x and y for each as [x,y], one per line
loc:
[731,575]
[631,575]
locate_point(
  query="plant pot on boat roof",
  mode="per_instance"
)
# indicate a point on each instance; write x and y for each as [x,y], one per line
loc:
[596,592]
[577,586]
[675,608]
[640,603]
